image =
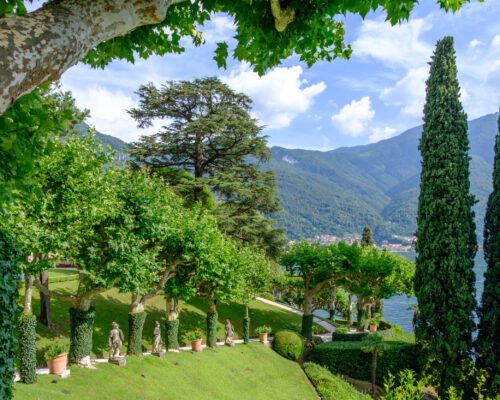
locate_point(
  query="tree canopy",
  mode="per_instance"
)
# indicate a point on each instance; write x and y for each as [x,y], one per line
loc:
[267,32]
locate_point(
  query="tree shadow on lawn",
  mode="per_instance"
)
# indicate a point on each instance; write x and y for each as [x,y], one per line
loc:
[112,306]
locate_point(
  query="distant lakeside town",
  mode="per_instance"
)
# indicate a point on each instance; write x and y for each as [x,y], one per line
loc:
[400,244]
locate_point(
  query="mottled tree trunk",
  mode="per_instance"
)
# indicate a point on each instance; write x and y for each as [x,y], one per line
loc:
[45,317]
[374,370]
[349,311]
[38,47]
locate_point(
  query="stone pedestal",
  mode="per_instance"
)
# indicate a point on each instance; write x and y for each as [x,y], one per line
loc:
[120,361]
[161,354]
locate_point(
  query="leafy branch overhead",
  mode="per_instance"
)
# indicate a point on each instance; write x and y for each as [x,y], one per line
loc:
[62,33]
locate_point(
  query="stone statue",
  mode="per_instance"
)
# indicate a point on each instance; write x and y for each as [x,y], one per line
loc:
[157,348]
[228,328]
[115,341]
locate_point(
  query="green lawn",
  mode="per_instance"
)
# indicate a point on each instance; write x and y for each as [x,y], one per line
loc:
[244,372]
[113,306]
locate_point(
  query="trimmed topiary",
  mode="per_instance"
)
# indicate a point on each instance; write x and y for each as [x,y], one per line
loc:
[288,344]
[27,348]
[135,327]
[81,330]
[307,325]
[172,334]
[212,329]
[9,279]
[246,330]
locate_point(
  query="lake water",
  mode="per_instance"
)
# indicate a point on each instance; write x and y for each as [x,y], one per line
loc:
[398,309]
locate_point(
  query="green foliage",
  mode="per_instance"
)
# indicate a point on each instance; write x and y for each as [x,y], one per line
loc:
[81,331]
[28,128]
[408,387]
[55,349]
[212,329]
[195,335]
[135,327]
[329,386]
[373,344]
[227,162]
[288,344]
[27,348]
[348,358]
[444,279]
[172,334]
[341,335]
[263,329]
[246,330]
[9,278]
[487,347]
[366,237]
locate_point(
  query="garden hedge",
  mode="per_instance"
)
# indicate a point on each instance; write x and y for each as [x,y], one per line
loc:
[348,358]
[385,329]
[331,387]
[9,279]
[27,348]
[246,330]
[288,344]
[135,327]
[212,329]
[172,334]
[81,330]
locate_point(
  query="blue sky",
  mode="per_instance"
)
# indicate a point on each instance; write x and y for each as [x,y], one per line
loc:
[376,94]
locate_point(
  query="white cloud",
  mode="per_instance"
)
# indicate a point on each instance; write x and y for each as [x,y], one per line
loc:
[495,43]
[278,97]
[220,28]
[108,111]
[379,134]
[475,43]
[395,46]
[408,93]
[352,119]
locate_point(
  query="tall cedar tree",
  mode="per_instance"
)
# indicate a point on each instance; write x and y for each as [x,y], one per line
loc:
[210,135]
[444,279]
[488,350]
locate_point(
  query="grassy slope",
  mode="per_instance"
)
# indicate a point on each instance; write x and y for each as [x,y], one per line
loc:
[113,306]
[244,372]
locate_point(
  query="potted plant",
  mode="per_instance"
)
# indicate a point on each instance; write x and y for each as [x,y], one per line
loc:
[374,322]
[263,331]
[57,357]
[195,337]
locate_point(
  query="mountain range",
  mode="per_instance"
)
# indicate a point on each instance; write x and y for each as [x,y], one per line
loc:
[338,192]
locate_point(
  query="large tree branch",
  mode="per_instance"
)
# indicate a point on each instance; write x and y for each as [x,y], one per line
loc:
[38,47]
[55,295]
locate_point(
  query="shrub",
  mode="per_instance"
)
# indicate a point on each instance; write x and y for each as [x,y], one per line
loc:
[246,330]
[194,335]
[81,330]
[385,329]
[56,348]
[212,329]
[288,344]
[172,334]
[347,358]
[263,329]
[331,387]
[9,278]
[135,328]
[27,348]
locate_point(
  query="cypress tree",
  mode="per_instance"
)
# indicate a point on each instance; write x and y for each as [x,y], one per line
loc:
[366,237]
[488,351]
[446,246]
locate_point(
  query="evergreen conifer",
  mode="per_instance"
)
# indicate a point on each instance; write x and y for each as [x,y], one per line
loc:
[446,246]
[488,350]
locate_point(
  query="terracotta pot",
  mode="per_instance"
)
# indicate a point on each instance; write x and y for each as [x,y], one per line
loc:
[263,337]
[196,345]
[373,328]
[57,366]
